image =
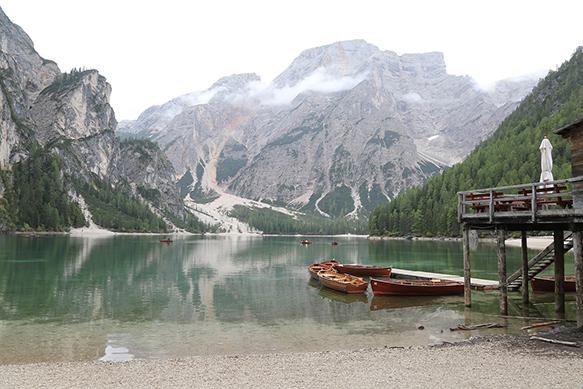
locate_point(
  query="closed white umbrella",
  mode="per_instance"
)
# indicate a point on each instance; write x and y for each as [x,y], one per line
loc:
[546,161]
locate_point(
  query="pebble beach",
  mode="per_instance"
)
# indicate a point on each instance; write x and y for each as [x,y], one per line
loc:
[506,361]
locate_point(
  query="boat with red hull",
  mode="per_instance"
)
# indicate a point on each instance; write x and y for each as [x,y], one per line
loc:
[547,284]
[395,287]
[316,267]
[357,269]
[166,241]
[342,282]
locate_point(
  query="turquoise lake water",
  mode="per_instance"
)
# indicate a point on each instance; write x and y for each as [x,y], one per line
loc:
[128,297]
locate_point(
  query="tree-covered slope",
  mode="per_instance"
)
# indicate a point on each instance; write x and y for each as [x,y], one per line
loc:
[510,157]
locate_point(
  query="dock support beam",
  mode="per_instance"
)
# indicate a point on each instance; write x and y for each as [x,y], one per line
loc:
[578,254]
[525,297]
[502,271]
[467,271]
[559,272]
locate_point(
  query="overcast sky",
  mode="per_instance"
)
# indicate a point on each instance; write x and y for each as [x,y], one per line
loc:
[153,51]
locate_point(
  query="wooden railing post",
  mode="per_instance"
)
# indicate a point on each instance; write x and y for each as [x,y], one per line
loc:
[533,202]
[460,206]
[491,206]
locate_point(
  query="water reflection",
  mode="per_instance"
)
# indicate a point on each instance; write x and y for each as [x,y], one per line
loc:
[120,297]
[342,297]
[116,354]
[392,302]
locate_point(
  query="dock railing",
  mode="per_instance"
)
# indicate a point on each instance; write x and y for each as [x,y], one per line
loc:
[522,201]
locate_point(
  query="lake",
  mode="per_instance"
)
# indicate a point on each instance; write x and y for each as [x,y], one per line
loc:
[123,297]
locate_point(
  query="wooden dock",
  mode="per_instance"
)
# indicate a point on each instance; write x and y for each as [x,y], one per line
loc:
[476,283]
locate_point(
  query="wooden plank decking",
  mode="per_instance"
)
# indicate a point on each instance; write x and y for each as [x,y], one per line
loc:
[532,206]
[476,283]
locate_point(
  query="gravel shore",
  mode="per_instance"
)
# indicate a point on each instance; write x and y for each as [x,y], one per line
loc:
[493,362]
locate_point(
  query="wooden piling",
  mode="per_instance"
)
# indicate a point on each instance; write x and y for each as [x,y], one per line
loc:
[559,272]
[502,271]
[525,298]
[467,271]
[578,254]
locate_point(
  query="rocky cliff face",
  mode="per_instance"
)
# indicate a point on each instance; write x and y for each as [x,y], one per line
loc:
[344,128]
[69,113]
[23,75]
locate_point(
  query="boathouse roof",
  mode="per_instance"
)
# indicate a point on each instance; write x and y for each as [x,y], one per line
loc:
[565,132]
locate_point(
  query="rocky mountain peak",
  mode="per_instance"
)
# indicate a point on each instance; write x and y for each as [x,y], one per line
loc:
[426,65]
[344,128]
[235,82]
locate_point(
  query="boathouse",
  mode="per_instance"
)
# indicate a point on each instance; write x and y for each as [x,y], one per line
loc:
[555,206]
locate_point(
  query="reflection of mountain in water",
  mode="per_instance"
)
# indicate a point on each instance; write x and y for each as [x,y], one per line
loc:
[134,278]
[205,295]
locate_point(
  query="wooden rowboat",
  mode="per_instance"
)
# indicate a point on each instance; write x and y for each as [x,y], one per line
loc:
[364,270]
[166,241]
[342,282]
[415,288]
[316,267]
[547,284]
[305,242]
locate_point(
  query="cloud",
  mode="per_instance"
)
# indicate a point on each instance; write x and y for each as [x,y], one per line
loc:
[319,81]
[491,86]
[196,98]
[413,97]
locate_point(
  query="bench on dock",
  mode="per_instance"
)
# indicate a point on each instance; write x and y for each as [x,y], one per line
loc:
[479,200]
[533,203]
[545,196]
[547,200]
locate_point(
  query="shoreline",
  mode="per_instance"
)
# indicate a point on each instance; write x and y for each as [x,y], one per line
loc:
[534,242]
[502,361]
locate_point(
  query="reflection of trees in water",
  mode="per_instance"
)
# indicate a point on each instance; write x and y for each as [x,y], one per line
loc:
[442,256]
[134,278]
[29,282]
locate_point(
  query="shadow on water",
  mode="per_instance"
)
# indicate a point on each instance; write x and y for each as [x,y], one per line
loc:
[122,297]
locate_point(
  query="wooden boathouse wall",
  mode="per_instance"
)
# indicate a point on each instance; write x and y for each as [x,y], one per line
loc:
[532,207]
[574,131]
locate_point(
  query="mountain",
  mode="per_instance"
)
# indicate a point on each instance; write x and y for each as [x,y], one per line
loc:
[57,140]
[511,156]
[345,128]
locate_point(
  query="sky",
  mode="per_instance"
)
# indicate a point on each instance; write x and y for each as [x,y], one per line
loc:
[152,51]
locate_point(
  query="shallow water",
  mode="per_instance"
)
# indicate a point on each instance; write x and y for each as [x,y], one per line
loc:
[130,297]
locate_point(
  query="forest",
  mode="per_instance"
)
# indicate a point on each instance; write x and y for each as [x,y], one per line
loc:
[36,197]
[273,222]
[511,156]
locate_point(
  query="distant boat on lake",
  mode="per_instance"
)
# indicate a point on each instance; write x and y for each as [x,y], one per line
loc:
[166,240]
[305,242]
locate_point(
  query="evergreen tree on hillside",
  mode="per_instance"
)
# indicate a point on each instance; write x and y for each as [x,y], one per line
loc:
[36,197]
[510,157]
